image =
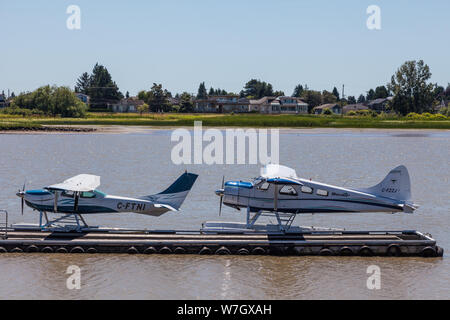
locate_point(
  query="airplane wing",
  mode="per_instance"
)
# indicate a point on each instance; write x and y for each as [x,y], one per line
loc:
[272,171]
[285,181]
[80,183]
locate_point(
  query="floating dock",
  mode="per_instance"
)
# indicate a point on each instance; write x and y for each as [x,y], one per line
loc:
[295,243]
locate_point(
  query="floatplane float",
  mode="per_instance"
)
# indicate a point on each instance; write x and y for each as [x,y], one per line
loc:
[79,196]
[280,193]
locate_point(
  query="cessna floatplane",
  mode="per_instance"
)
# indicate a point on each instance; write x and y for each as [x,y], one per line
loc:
[280,193]
[79,196]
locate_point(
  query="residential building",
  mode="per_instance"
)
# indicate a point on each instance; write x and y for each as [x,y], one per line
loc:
[83,97]
[334,107]
[173,101]
[354,107]
[222,104]
[279,105]
[262,105]
[126,105]
[379,105]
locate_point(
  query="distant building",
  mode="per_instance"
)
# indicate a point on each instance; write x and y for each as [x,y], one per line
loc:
[277,105]
[83,97]
[222,104]
[173,101]
[354,107]
[334,107]
[126,105]
[262,105]
[379,105]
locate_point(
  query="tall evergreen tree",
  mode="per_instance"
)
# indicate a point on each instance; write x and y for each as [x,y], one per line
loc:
[83,84]
[257,89]
[370,95]
[361,99]
[186,104]
[298,91]
[101,89]
[351,100]
[336,93]
[157,99]
[381,92]
[202,94]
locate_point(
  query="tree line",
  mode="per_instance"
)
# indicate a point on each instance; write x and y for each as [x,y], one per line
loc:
[409,86]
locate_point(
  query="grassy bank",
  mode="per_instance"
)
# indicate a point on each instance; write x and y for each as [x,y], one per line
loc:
[228,120]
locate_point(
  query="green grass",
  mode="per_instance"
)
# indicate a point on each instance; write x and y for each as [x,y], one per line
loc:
[228,120]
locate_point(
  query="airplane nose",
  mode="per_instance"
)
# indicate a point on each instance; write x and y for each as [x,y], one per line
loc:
[20,194]
[220,192]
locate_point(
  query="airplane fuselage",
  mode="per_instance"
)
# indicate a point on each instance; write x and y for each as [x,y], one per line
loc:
[89,203]
[304,196]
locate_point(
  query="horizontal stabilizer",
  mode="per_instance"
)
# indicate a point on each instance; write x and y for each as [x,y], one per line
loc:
[161,205]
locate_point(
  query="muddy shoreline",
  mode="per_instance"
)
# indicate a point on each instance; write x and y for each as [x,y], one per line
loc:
[125,129]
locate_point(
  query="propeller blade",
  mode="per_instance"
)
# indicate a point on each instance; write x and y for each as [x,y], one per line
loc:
[75,205]
[55,205]
[22,200]
[221,197]
[220,206]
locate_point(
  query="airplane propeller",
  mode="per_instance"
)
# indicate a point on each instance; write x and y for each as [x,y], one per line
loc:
[220,193]
[21,194]
[75,205]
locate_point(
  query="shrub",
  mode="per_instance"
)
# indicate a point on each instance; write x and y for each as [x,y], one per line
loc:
[351,113]
[327,112]
[50,101]
[362,112]
[445,111]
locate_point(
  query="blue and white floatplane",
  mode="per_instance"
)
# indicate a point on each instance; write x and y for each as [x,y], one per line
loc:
[280,193]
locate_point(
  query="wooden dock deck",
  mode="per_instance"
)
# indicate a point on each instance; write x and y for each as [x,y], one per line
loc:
[344,243]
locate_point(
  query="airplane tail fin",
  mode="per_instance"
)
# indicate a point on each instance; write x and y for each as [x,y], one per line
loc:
[396,185]
[173,197]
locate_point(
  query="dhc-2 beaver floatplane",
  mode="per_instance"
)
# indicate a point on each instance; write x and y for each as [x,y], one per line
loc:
[279,192]
[79,196]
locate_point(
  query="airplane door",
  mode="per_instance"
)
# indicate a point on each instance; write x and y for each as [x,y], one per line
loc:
[262,196]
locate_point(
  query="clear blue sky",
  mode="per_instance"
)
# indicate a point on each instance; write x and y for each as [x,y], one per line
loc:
[224,43]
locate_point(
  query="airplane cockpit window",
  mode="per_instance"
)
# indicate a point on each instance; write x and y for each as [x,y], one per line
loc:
[306,189]
[264,186]
[288,190]
[100,193]
[67,193]
[88,195]
[257,181]
[322,193]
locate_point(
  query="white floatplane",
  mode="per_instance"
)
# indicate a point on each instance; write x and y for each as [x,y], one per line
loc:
[79,196]
[281,193]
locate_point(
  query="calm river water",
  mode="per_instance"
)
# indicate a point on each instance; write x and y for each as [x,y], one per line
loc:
[139,163]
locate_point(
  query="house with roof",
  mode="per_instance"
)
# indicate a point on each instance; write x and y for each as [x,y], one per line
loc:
[126,105]
[83,97]
[222,104]
[379,105]
[354,107]
[334,107]
[279,105]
